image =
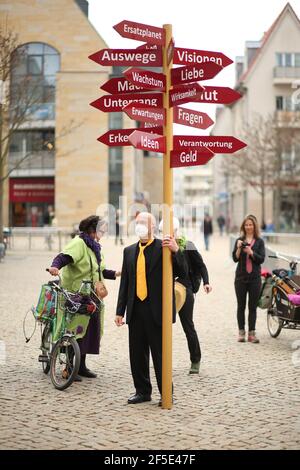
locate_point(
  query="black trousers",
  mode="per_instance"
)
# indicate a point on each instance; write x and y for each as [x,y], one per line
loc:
[253,289]
[186,318]
[144,336]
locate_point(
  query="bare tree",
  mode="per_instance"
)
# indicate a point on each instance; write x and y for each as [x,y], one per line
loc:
[271,160]
[19,97]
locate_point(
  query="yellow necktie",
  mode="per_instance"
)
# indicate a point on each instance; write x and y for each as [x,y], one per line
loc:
[141,281]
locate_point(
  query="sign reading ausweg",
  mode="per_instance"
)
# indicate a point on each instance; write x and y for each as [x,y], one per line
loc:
[132,57]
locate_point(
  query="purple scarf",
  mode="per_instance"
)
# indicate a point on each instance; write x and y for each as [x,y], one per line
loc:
[92,244]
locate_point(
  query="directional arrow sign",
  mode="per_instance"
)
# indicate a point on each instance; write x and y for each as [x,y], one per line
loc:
[190,157]
[184,94]
[193,56]
[146,78]
[192,118]
[146,114]
[120,137]
[116,103]
[146,141]
[151,57]
[194,73]
[218,94]
[141,32]
[120,85]
[217,144]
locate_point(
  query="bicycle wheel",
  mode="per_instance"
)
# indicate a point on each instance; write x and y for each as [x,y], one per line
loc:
[274,323]
[45,347]
[65,362]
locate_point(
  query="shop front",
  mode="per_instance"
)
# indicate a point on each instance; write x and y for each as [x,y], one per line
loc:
[31,201]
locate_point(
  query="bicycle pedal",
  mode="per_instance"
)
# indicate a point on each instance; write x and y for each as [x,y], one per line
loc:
[43,358]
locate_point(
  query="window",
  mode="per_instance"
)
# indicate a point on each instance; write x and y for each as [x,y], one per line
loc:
[286,103]
[288,59]
[34,68]
[32,141]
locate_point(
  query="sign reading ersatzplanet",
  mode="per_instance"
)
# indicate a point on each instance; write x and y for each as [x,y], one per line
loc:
[141,32]
[149,57]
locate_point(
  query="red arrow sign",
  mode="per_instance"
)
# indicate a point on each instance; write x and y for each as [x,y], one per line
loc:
[192,118]
[214,94]
[146,79]
[116,103]
[120,137]
[190,157]
[185,94]
[192,56]
[194,73]
[146,114]
[141,32]
[217,144]
[146,141]
[120,85]
[151,57]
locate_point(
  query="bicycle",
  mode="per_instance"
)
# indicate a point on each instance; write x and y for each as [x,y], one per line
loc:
[282,313]
[55,311]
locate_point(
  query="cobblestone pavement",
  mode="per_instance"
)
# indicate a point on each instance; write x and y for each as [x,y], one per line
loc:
[246,396]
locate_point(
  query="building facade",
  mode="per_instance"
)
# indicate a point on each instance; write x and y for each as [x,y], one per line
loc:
[68,173]
[267,77]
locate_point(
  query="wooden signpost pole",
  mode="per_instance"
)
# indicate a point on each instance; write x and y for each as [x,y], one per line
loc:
[167,287]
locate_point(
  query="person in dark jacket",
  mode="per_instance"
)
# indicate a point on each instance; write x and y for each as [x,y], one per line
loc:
[249,253]
[140,296]
[207,230]
[196,271]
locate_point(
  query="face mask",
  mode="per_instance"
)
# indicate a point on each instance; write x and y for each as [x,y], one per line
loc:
[141,231]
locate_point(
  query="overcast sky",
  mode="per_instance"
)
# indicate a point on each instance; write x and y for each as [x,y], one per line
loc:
[213,25]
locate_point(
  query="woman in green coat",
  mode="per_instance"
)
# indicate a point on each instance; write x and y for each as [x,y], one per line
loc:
[82,259]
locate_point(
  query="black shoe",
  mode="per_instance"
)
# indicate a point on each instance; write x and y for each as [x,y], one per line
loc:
[87,373]
[138,398]
[77,378]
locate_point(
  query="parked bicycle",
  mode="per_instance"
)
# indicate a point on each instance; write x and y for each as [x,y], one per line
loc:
[278,290]
[55,312]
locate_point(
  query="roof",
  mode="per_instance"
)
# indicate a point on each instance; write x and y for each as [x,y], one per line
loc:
[266,38]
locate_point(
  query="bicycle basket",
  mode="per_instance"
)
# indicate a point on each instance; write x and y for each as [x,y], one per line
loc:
[80,304]
[45,308]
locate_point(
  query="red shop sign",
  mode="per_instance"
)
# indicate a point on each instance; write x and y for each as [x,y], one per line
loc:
[31,190]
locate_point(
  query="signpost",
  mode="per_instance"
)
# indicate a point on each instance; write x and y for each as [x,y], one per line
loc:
[146,114]
[146,79]
[174,87]
[193,73]
[192,118]
[190,157]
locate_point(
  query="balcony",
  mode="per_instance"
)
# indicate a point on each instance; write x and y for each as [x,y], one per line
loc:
[36,164]
[285,75]
[288,119]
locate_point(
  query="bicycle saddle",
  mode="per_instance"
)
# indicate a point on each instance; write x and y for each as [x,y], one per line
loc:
[282,273]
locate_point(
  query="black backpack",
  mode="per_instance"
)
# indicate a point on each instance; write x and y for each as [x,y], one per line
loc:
[194,275]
